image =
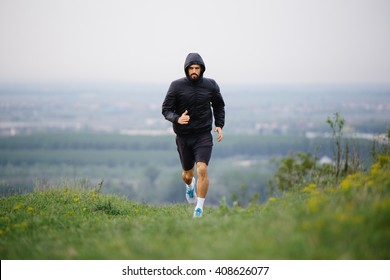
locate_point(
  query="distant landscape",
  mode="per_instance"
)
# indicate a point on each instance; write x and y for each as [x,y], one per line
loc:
[136,109]
[116,135]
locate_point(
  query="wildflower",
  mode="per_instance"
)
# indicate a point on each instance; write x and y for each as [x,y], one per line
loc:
[382,163]
[330,190]
[375,169]
[30,209]
[314,203]
[21,225]
[17,207]
[4,219]
[310,188]
[353,180]
[272,199]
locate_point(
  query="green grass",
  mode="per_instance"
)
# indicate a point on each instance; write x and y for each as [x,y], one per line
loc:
[350,221]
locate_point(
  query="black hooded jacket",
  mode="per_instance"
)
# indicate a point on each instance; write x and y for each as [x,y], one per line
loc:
[197,97]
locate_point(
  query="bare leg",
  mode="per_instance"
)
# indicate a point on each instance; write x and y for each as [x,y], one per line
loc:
[203,179]
[187,176]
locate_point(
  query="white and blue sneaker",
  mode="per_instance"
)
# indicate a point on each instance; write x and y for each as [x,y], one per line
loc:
[191,193]
[198,212]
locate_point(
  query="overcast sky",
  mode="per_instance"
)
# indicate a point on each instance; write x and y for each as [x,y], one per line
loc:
[245,41]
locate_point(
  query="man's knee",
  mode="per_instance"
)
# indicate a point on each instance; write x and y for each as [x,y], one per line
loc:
[187,175]
[201,169]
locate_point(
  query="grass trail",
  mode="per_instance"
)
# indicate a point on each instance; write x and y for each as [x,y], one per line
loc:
[351,221]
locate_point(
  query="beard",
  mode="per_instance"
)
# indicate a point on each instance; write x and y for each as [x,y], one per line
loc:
[194,76]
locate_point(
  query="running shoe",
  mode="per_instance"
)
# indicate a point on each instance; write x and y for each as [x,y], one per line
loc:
[191,193]
[198,213]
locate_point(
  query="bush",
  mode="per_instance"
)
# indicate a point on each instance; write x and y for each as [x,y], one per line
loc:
[298,170]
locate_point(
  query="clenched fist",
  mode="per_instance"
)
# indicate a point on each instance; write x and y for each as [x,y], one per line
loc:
[184,118]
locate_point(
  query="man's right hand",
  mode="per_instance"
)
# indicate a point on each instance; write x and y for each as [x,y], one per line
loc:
[184,118]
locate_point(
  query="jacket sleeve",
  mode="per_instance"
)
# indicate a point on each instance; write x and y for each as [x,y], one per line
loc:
[218,105]
[169,106]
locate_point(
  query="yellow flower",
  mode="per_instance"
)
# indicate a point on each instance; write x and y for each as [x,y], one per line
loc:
[375,169]
[21,225]
[17,206]
[382,163]
[353,180]
[76,197]
[4,219]
[314,203]
[311,188]
[272,199]
[330,190]
[30,209]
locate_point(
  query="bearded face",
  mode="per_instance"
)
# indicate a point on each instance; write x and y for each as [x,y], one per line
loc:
[194,71]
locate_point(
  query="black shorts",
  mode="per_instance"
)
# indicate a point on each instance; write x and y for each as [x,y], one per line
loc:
[194,148]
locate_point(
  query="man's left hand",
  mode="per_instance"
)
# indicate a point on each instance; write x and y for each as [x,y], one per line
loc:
[220,133]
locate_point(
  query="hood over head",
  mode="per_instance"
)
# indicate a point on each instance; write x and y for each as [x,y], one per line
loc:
[194,58]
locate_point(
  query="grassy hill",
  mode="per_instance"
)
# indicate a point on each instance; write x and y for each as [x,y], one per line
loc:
[347,221]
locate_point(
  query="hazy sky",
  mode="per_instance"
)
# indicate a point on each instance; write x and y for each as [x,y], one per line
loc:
[245,41]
